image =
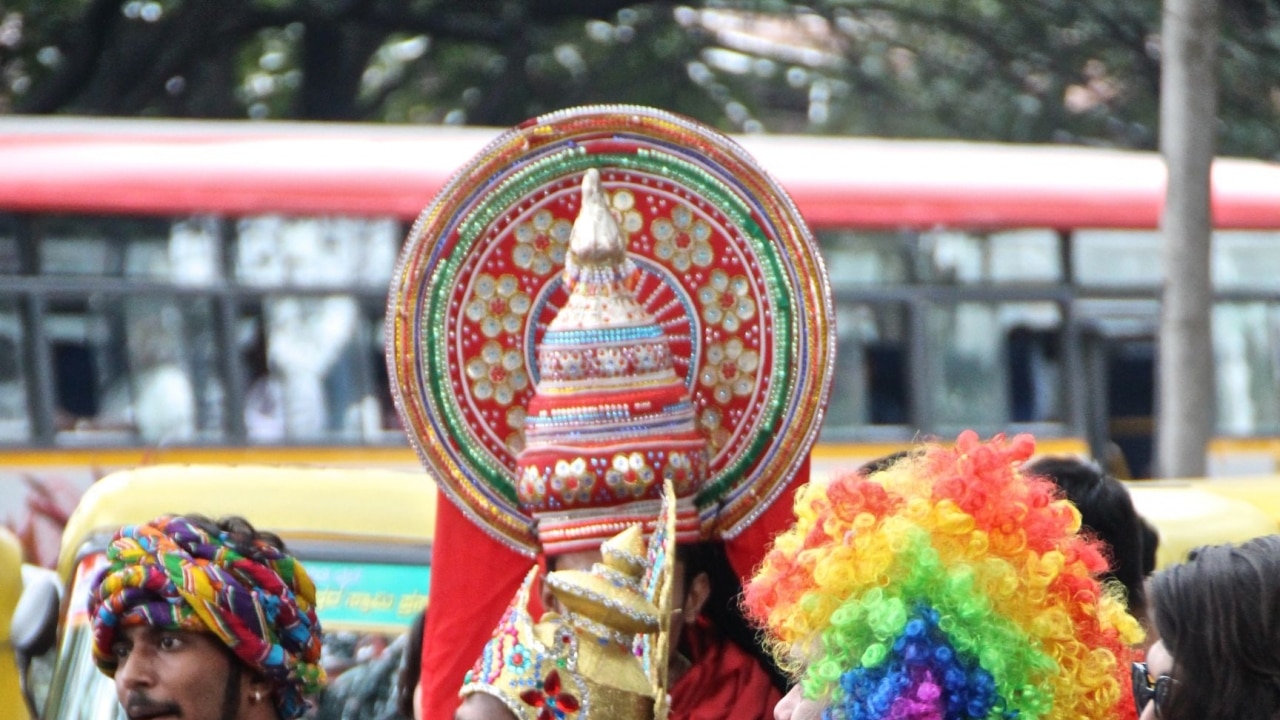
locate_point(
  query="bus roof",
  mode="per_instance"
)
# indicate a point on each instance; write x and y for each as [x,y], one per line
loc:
[157,167]
[299,504]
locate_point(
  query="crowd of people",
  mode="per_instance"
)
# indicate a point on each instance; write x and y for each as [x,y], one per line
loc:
[957,580]
[954,582]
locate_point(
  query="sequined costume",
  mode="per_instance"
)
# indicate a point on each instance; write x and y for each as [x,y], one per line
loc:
[604,299]
[606,655]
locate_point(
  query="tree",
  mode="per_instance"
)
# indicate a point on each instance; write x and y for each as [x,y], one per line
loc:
[1050,71]
[491,62]
[1188,115]
[1047,71]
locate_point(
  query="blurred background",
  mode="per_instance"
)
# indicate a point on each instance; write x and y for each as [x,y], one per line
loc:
[186,285]
[202,203]
[1055,71]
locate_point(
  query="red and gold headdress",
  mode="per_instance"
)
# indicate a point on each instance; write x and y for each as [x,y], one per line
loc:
[556,353]
[533,363]
[609,419]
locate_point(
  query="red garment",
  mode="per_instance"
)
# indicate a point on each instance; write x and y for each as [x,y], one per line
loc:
[473,578]
[725,682]
[746,550]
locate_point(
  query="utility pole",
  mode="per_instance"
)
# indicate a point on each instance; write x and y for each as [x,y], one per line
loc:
[1188,127]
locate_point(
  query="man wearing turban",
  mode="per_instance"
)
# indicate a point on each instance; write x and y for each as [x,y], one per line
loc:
[205,621]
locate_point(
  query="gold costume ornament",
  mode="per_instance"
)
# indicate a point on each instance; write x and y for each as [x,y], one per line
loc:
[605,656]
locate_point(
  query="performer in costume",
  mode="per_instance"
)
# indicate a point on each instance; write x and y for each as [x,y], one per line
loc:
[179,585]
[947,585]
[558,349]
[603,656]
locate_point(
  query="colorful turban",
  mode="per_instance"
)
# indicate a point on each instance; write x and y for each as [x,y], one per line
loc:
[946,586]
[171,573]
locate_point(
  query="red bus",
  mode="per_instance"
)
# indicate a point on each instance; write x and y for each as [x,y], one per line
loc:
[194,291]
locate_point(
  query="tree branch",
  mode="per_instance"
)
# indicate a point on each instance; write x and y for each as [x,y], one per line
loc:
[83,50]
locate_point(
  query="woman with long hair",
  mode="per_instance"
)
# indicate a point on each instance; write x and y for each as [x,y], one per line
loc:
[1218,617]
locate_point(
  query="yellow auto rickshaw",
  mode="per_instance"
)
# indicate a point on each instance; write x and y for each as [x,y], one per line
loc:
[364,536]
[10,591]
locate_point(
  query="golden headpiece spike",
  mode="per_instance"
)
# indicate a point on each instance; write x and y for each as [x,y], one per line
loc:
[584,665]
[595,238]
[658,583]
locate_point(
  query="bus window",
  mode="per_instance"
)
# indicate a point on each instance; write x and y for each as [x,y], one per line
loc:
[1117,258]
[103,247]
[992,363]
[186,254]
[872,333]
[955,257]
[311,370]
[964,366]
[14,425]
[77,256]
[1246,340]
[856,259]
[136,366]
[1130,397]
[871,364]
[1245,260]
[10,253]
[1035,377]
[274,251]
[311,361]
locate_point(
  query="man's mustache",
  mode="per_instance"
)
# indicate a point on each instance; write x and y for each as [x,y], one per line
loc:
[140,707]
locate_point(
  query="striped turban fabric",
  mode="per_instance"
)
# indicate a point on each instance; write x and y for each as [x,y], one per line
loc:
[172,573]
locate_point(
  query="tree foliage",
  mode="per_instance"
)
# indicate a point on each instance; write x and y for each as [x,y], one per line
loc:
[1052,70]
[1078,71]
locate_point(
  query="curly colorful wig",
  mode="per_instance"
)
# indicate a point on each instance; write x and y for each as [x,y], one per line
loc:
[947,585]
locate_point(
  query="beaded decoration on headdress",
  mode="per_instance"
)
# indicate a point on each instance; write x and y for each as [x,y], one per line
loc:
[609,420]
[947,586]
[710,249]
[588,663]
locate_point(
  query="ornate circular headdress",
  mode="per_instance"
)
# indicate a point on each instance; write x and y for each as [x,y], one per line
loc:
[715,260]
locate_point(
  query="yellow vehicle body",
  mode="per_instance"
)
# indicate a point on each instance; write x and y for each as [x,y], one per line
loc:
[1208,511]
[299,504]
[364,536]
[1188,513]
[10,591]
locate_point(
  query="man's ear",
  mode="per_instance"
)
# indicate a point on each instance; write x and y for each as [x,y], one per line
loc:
[695,596]
[257,691]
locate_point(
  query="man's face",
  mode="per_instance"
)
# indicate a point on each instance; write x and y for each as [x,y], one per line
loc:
[172,674]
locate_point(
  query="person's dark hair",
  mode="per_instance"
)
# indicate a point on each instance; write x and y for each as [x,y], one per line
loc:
[1106,511]
[241,535]
[884,462]
[410,666]
[723,606]
[1218,614]
[1150,544]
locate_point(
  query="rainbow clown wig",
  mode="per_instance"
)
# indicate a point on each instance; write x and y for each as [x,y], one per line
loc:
[947,585]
